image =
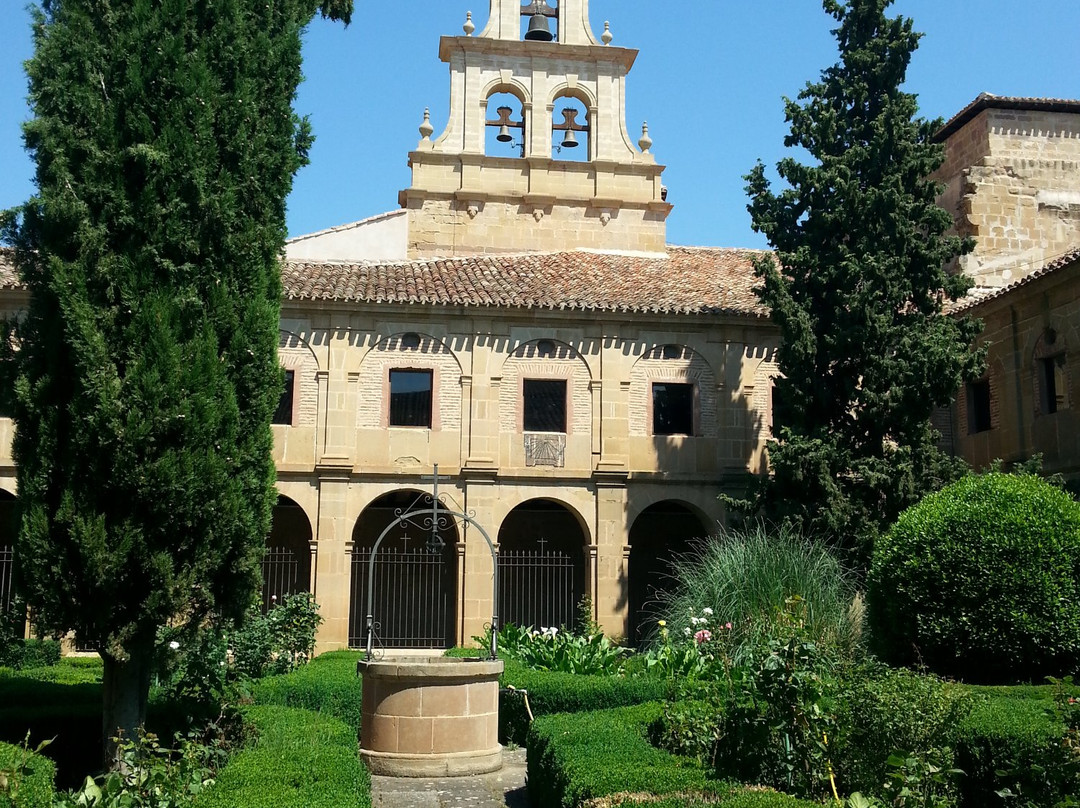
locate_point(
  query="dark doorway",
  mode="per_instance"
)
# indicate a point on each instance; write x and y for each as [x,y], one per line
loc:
[9,529]
[415,587]
[659,534]
[287,561]
[541,565]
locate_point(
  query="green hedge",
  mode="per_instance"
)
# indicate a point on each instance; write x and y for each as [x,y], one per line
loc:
[327,684]
[29,654]
[551,693]
[578,757]
[1013,742]
[300,759]
[34,778]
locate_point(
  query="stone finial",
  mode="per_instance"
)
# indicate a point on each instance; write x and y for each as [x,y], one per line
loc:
[426,128]
[645,142]
[607,36]
[469,25]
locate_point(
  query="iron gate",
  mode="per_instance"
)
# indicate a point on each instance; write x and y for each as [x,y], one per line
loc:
[284,573]
[540,588]
[7,569]
[414,596]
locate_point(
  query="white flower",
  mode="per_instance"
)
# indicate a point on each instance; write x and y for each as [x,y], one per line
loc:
[696,620]
[707,611]
[174,645]
[687,631]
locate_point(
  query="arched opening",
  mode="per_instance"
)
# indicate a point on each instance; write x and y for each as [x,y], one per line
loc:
[541,565]
[540,21]
[571,131]
[504,129]
[287,561]
[659,534]
[9,528]
[415,586]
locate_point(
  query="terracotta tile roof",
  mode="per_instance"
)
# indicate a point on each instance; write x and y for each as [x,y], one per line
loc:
[689,280]
[990,101]
[977,295]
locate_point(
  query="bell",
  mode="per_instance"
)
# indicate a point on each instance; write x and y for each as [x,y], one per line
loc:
[539,30]
[569,140]
[504,135]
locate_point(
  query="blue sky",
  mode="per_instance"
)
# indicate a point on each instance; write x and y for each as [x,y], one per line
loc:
[709,80]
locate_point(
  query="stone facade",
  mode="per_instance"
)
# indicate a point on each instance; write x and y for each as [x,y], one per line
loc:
[1012,176]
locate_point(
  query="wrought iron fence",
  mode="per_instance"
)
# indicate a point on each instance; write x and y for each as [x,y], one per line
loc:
[540,588]
[7,568]
[285,571]
[414,597]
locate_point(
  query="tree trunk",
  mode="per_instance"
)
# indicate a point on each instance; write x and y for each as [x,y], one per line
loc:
[125,691]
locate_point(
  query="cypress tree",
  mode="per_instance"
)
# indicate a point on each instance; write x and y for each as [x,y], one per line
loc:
[857,289]
[146,372]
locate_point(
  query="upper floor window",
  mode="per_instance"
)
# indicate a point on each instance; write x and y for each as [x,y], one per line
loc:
[544,402]
[1052,384]
[673,408]
[978,406]
[284,412]
[410,398]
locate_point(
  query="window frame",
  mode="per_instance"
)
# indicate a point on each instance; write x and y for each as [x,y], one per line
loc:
[980,406]
[288,389]
[565,382]
[430,373]
[695,407]
[1048,368]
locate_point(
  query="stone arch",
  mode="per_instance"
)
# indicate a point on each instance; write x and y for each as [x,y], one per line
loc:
[9,528]
[659,533]
[1050,357]
[413,351]
[296,354]
[415,596]
[542,565]
[499,93]
[553,360]
[673,363]
[580,92]
[287,562]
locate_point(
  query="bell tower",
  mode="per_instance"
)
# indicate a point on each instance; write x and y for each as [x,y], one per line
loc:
[565,92]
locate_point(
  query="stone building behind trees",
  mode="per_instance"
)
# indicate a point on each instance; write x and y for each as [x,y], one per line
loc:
[585,388]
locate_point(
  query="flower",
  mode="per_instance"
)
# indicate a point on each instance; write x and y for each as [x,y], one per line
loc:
[727,626]
[661,623]
[687,631]
[707,611]
[704,635]
[696,620]
[174,645]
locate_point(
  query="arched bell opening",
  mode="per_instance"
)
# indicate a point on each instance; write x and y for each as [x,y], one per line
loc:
[540,21]
[504,126]
[9,529]
[541,565]
[286,563]
[414,587]
[661,533]
[571,131]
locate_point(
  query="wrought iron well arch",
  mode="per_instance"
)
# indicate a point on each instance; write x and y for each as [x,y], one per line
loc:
[437,517]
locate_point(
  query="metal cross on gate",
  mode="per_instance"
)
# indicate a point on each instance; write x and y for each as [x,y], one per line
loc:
[435,543]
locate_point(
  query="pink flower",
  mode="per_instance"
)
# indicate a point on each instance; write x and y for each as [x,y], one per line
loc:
[702,636]
[727,626]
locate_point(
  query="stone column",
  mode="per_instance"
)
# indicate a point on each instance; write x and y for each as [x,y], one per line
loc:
[334,558]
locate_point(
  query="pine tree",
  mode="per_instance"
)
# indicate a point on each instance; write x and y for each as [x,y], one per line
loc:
[165,144]
[857,290]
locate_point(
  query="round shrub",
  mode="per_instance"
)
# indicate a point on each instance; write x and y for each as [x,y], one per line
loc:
[981,581]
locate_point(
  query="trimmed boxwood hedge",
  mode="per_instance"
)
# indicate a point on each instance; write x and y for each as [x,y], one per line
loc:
[1014,741]
[300,759]
[566,693]
[578,757]
[981,581]
[327,684]
[35,779]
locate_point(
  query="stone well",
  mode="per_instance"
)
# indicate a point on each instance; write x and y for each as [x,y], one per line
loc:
[430,716]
